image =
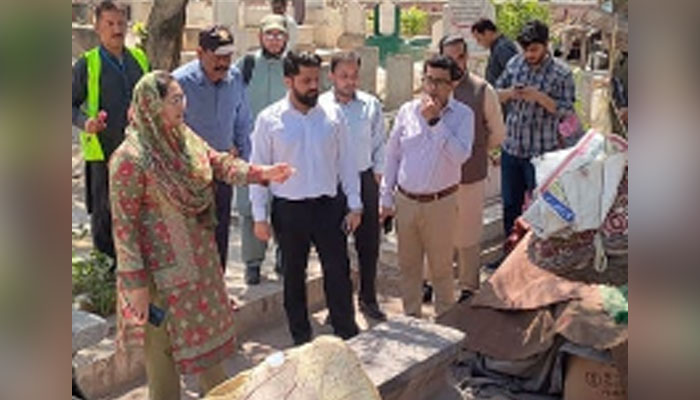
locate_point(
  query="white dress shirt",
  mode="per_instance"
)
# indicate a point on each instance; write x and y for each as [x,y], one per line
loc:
[363,115]
[314,144]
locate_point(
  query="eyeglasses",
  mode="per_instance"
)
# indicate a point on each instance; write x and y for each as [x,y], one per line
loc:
[430,81]
[275,35]
[176,100]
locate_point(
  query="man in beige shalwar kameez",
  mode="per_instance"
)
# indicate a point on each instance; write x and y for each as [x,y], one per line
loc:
[489,132]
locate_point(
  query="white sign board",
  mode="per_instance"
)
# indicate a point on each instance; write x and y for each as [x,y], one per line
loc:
[463,14]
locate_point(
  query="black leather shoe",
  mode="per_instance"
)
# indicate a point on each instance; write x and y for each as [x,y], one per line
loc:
[492,266]
[372,311]
[427,293]
[252,276]
[464,296]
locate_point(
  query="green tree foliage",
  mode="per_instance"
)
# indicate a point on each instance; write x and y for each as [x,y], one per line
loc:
[414,21]
[511,15]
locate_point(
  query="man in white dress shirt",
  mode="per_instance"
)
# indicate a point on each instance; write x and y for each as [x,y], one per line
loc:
[307,209]
[363,114]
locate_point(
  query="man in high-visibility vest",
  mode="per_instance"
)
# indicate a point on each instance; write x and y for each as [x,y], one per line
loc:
[103,79]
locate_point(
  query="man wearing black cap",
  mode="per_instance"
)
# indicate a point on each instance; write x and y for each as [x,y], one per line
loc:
[217,109]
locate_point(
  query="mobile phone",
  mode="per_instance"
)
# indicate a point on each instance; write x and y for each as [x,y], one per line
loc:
[388,224]
[344,227]
[156,315]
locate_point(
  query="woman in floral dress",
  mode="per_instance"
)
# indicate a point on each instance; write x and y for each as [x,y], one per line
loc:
[162,204]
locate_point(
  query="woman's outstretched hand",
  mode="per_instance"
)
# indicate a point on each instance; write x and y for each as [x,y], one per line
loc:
[277,173]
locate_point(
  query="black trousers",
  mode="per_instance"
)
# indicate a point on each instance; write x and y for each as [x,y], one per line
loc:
[222,200]
[367,237]
[97,202]
[298,224]
[517,178]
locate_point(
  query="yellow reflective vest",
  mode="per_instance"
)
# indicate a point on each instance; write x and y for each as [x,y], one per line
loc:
[89,143]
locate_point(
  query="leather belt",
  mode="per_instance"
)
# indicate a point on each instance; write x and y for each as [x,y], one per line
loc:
[428,197]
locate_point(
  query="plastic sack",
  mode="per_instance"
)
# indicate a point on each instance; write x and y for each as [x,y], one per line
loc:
[576,186]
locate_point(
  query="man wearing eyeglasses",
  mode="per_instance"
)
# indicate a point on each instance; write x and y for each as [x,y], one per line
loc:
[217,110]
[263,77]
[279,7]
[431,139]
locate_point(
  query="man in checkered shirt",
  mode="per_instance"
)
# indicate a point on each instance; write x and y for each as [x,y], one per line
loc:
[538,91]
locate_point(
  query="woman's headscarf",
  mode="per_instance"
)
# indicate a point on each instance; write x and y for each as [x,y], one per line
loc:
[176,157]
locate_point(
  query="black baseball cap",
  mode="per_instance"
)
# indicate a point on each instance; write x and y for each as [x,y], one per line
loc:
[218,39]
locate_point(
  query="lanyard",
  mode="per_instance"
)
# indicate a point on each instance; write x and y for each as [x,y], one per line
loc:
[119,67]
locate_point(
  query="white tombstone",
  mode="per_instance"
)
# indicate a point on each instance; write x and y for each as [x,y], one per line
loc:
[353,26]
[225,12]
[387,17]
[437,31]
[354,22]
[463,14]
[368,68]
[399,80]
[199,13]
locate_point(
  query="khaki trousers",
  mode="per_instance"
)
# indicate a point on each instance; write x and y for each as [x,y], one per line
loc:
[467,238]
[163,378]
[426,229]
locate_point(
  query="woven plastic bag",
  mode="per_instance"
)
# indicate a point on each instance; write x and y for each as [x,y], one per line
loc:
[576,186]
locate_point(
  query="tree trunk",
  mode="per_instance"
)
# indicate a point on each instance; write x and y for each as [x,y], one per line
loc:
[166,23]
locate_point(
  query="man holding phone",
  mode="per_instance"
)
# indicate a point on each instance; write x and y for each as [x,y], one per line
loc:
[431,139]
[539,90]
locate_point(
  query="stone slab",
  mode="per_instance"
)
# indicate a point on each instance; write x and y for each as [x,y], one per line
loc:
[408,358]
[368,68]
[87,329]
[399,80]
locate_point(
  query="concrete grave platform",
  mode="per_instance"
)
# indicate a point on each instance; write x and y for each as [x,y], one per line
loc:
[409,358]
[87,329]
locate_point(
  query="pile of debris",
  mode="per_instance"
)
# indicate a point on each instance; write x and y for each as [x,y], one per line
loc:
[552,320]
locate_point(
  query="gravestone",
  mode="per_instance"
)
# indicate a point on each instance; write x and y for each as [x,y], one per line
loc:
[87,329]
[199,13]
[225,12]
[353,26]
[368,68]
[399,80]
[462,14]
[437,31]
[330,27]
[408,358]
[387,18]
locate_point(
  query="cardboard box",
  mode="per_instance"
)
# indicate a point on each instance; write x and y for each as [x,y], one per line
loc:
[592,380]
